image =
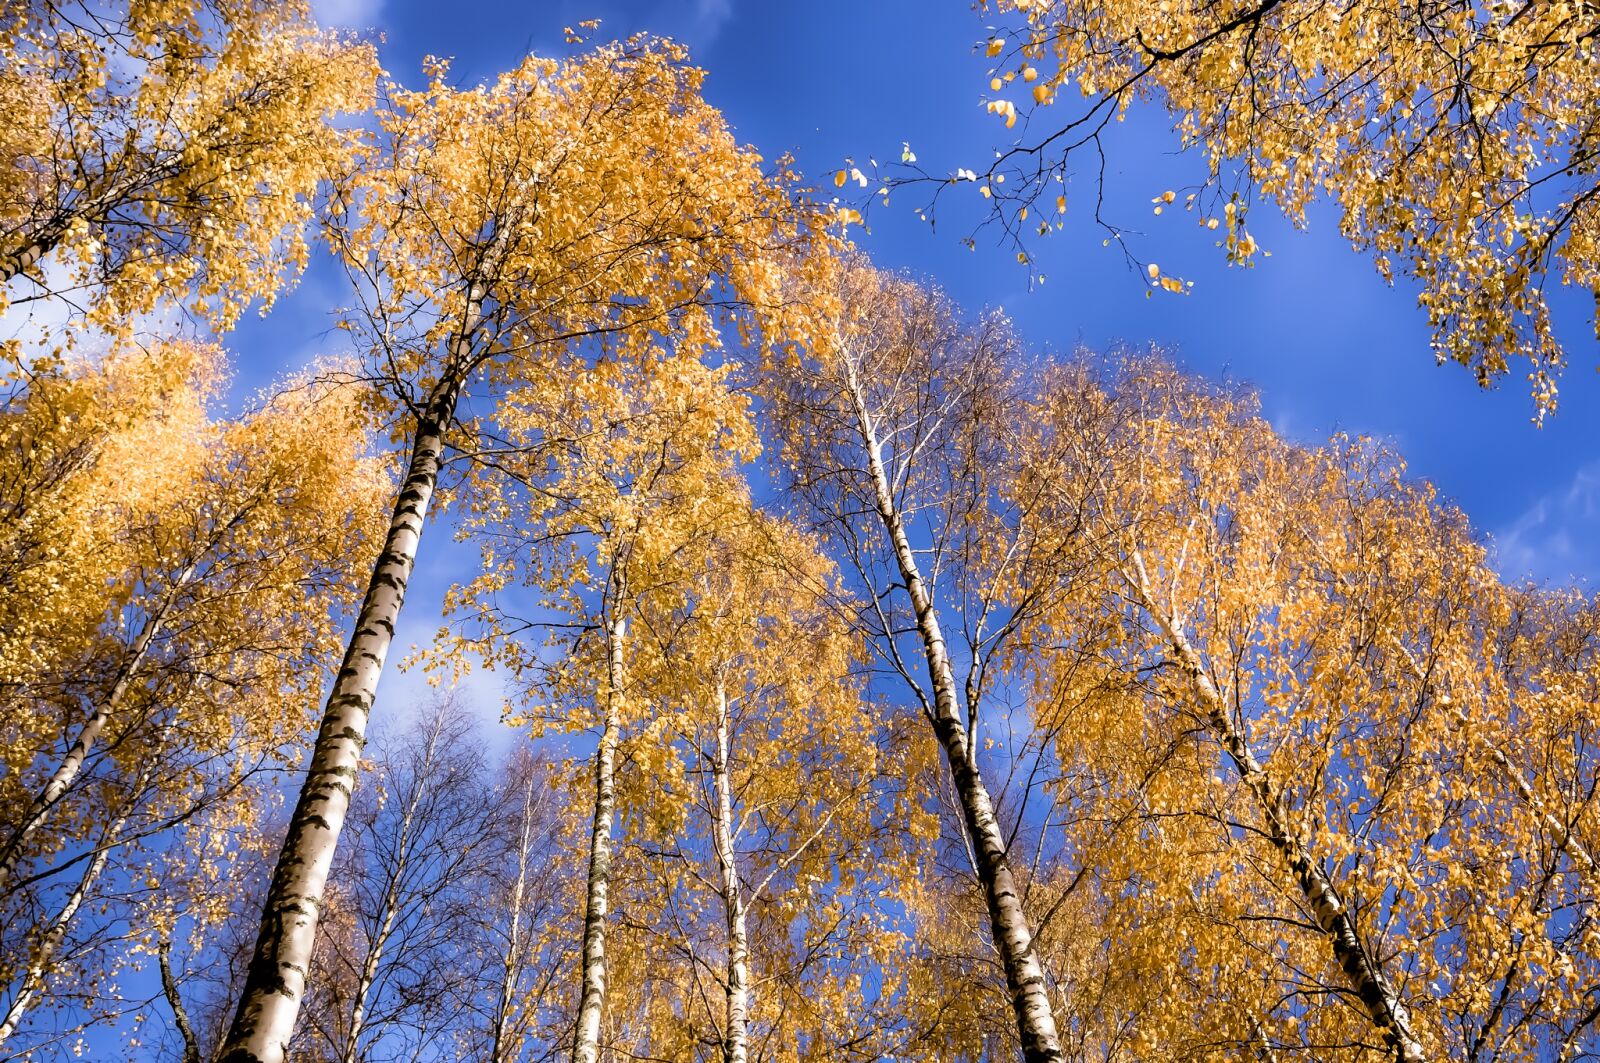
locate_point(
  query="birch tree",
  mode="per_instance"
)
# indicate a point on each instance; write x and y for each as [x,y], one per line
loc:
[71,432]
[889,421]
[614,483]
[1299,609]
[168,150]
[217,553]
[495,225]
[525,934]
[221,572]
[786,825]
[1152,587]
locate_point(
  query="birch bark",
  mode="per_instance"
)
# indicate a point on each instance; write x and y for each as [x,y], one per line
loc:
[1362,972]
[1013,938]
[43,239]
[591,1004]
[180,1014]
[736,981]
[275,982]
[16,262]
[33,981]
[1560,830]
[501,1049]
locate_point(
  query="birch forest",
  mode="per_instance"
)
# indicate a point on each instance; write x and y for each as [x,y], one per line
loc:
[829,669]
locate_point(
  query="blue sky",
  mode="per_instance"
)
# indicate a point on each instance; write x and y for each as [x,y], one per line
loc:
[1329,346]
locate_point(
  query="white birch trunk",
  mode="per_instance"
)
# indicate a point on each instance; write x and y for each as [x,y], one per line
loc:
[369,973]
[591,1004]
[35,245]
[501,1049]
[1261,1044]
[44,238]
[1013,938]
[18,261]
[1362,972]
[33,981]
[275,983]
[736,980]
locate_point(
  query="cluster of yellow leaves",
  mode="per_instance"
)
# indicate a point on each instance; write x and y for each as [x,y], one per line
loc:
[1457,138]
[1393,689]
[75,444]
[168,150]
[574,219]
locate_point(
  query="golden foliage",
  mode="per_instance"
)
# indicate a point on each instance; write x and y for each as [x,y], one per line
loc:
[166,150]
[1456,138]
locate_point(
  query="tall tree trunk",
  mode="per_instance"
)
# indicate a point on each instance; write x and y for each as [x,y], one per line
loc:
[39,967]
[19,259]
[34,244]
[736,980]
[501,1050]
[71,764]
[1013,938]
[275,982]
[591,1004]
[132,179]
[1362,972]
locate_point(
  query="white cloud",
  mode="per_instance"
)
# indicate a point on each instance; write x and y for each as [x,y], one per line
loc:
[347,14]
[1558,538]
[713,14]
[698,23]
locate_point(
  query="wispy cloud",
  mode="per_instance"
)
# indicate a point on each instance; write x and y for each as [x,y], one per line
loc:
[347,14]
[712,15]
[41,322]
[1558,538]
[697,23]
